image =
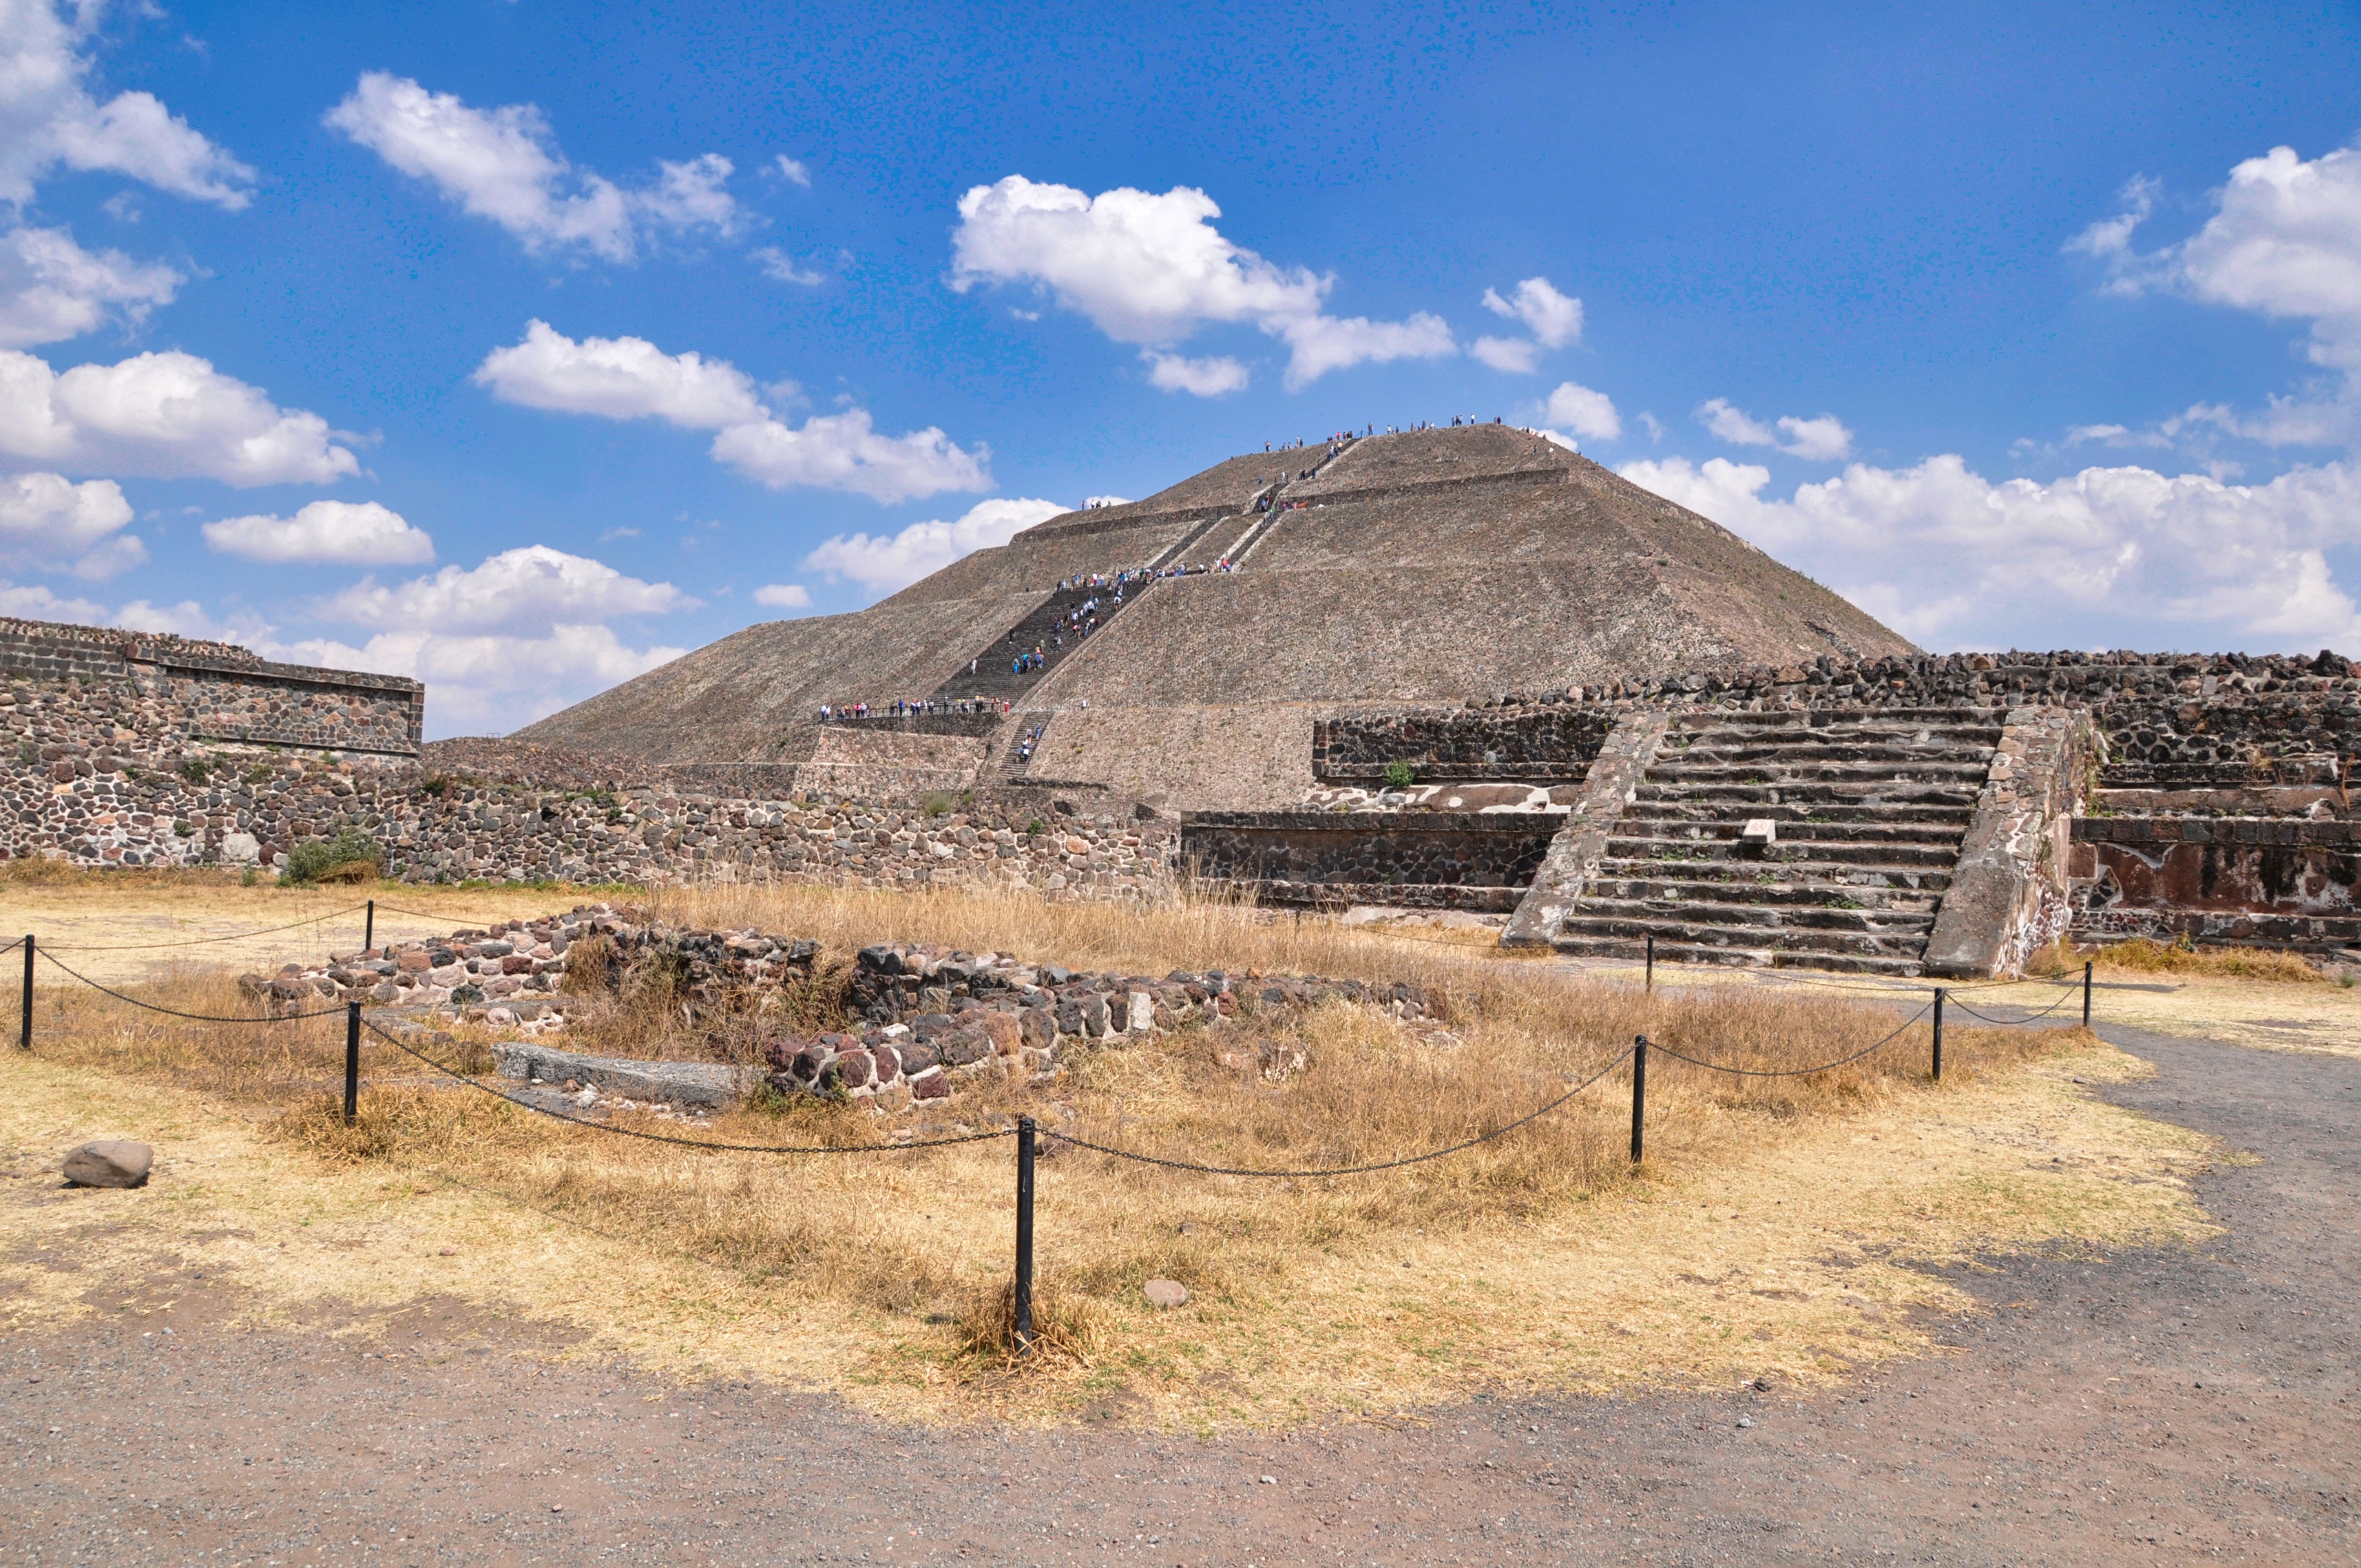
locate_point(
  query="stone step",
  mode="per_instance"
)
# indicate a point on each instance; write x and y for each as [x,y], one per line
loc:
[1880,852]
[1819,771]
[1840,717]
[1687,892]
[1711,818]
[1687,952]
[1800,872]
[1900,828]
[1793,918]
[1812,755]
[1804,791]
[1769,941]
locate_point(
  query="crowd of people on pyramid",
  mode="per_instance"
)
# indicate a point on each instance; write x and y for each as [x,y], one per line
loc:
[917,708]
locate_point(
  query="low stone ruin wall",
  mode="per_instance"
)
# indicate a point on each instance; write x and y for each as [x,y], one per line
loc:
[1459,859]
[922,1018]
[2284,883]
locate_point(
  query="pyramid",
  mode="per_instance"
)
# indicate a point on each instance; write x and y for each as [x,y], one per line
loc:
[1420,568]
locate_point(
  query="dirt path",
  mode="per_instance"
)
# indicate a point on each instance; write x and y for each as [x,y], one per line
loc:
[2160,1407]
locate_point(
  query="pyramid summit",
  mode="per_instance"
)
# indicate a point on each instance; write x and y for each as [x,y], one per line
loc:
[1186,643]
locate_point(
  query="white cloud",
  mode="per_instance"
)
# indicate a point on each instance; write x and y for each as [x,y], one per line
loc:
[165,415]
[2284,241]
[629,378]
[1582,411]
[31,601]
[779,266]
[1553,319]
[48,118]
[50,523]
[500,164]
[619,377]
[1107,501]
[360,533]
[51,289]
[1150,270]
[490,683]
[1821,440]
[886,562]
[1517,356]
[2128,556]
[792,170]
[531,589]
[784,596]
[1202,378]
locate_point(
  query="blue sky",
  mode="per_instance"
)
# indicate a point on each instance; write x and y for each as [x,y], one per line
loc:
[519,346]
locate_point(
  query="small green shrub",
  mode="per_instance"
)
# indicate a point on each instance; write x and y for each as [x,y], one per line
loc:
[437,786]
[261,772]
[1400,775]
[351,856]
[939,804]
[196,770]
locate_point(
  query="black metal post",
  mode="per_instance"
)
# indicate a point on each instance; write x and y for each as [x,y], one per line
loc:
[1651,961]
[369,927]
[1024,1336]
[1939,1034]
[25,1041]
[352,1061]
[2086,993]
[1639,1093]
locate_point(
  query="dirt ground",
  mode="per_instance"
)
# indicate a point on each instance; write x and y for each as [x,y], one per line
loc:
[2161,1405]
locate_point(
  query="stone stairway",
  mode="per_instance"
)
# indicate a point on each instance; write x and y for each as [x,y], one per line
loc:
[1868,810]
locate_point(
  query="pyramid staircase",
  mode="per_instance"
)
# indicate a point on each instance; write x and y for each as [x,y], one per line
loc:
[1868,807]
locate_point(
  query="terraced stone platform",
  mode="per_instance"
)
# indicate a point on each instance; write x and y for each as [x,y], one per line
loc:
[1868,809]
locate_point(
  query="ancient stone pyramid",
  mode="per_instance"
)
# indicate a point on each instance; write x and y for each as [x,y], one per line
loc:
[1428,567]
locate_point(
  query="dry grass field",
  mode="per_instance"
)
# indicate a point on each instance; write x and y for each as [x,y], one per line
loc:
[1773,1231]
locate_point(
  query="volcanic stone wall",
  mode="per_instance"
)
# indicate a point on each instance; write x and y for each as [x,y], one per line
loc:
[1449,858]
[1557,741]
[77,689]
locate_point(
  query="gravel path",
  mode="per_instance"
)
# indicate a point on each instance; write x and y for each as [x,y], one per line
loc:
[2155,1408]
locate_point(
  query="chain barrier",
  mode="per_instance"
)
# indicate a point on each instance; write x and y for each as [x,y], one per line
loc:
[464,1082]
[1794,1071]
[197,941]
[176,1013]
[1346,1169]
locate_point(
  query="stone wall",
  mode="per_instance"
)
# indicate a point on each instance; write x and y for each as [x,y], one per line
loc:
[1426,859]
[2284,881]
[1545,741]
[80,689]
[2009,892]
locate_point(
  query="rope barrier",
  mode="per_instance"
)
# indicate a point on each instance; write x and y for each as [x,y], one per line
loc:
[1348,1170]
[176,1013]
[666,1138]
[2028,1018]
[197,941]
[1793,1071]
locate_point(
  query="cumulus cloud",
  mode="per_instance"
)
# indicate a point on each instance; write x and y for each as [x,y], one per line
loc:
[2125,556]
[1203,377]
[50,523]
[503,164]
[784,596]
[2284,241]
[51,289]
[1150,270]
[1821,440]
[1578,411]
[490,683]
[50,119]
[525,590]
[1517,356]
[793,171]
[888,562]
[619,378]
[165,415]
[31,601]
[629,378]
[359,533]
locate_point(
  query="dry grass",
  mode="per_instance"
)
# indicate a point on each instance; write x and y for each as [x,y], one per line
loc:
[2143,955]
[1768,1212]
